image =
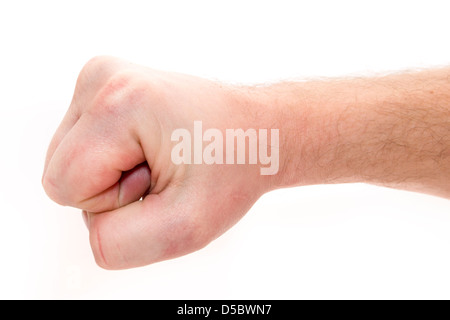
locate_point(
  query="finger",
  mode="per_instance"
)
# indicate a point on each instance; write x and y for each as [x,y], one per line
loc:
[87,166]
[68,122]
[92,77]
[158,228]
[163,226]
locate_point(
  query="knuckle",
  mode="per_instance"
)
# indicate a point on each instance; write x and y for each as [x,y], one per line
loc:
[61,180]
[116,87]
[96,66]
[94,74]
[52,190]
[121,91]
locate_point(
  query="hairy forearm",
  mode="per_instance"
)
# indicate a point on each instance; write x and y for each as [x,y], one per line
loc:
[392,131]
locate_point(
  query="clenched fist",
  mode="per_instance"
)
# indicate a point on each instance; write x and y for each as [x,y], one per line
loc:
[163,163]
[112,158]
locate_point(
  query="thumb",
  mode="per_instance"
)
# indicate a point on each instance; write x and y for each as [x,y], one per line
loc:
[160,227]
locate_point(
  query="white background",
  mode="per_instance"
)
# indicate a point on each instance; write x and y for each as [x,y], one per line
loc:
[344,241]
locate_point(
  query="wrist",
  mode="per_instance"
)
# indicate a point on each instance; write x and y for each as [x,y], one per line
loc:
[276,107]
[317,122]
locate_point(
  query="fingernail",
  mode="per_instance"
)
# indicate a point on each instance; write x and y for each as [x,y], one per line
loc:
[85,218]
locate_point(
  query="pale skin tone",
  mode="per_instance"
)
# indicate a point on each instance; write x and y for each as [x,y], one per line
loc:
[114,148]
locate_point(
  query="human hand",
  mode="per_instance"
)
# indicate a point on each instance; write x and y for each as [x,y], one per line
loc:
[114,147]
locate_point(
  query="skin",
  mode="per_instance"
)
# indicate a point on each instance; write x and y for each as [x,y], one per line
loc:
[114,147]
